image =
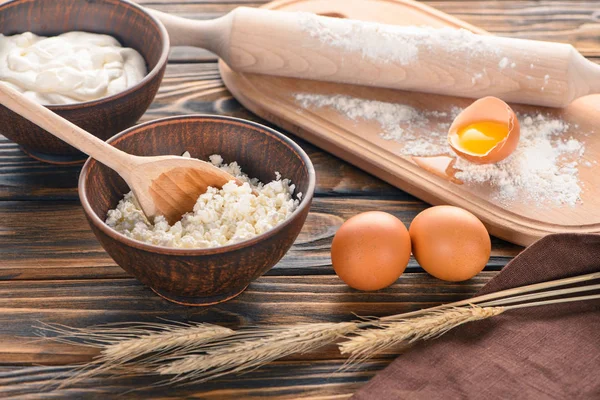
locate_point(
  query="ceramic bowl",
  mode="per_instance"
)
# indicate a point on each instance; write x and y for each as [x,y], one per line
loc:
[125,21]
[200,276]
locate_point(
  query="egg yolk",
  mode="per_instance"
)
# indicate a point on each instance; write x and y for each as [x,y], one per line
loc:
[481,137]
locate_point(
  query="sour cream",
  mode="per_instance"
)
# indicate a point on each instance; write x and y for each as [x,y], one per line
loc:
[70,68]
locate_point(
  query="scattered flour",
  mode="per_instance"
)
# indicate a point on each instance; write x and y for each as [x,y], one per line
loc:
[398,121]
[220,216]
[389,43]
[543,168]
[503,63]
[476,78]
[403,45]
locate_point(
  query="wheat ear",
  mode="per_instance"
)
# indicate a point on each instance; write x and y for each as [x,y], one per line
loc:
[121,344]
[198,352]
[128,344]
[253,349]
[365,343]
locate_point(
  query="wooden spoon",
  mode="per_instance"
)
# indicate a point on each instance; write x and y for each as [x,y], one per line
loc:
[301,45]
[162,185]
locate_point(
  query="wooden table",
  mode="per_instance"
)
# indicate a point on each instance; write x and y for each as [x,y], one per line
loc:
[52,269]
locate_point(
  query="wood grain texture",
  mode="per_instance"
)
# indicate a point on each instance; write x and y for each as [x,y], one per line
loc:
[168,185]
[23,178]
[575,22]
[360,142]
[186,88]
[103,117]
[311,380]
[306,298]
[52,269]
[59,245]
[262,41]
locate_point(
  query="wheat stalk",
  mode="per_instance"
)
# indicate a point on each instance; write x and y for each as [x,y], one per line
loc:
[181,339]
[513,292]
[122,344]
[365,343]
[199,352]
[128,344]
[258,347]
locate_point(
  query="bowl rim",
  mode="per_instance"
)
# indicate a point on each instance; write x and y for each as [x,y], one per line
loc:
[305,201]
[162,61]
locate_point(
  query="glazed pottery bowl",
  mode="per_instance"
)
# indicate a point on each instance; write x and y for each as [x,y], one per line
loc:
[130,25]
[200,276]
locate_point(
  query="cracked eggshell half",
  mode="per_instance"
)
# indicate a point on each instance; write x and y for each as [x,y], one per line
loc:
[487,109]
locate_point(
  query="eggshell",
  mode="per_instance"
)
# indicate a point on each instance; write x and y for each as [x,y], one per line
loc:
[486,109]
[450,243]
[371,250]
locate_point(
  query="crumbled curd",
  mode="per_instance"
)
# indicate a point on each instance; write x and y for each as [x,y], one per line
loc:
[220,216]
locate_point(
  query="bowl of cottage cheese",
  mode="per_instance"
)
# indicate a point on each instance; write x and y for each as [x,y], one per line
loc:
[98,64]
[233,235]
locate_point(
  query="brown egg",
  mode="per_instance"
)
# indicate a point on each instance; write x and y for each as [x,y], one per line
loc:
[450,243]
[485,132]
[370,250]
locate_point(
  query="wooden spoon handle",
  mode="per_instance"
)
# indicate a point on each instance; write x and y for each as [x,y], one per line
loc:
[302,45]
[63,129]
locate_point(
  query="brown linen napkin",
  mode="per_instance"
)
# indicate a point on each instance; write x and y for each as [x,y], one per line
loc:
[548,352]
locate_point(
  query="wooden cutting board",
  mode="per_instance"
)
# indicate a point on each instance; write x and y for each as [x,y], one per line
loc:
[519,220]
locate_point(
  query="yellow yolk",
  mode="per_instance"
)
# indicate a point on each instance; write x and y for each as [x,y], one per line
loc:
[481,137]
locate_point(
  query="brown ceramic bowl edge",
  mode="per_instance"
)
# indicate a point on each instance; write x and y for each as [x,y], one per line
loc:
[305,202]
[149,76]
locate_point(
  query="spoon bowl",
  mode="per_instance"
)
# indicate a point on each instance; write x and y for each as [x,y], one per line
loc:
[171,185]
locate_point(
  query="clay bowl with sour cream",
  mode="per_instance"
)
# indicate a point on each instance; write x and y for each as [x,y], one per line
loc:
[104,117]
[211,275]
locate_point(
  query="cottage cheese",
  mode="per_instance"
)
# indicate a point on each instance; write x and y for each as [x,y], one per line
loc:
[220,216]
[68,68]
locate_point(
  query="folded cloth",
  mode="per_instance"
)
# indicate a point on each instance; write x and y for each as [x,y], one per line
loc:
[546,352]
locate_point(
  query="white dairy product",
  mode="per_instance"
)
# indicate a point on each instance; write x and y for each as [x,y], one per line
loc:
[69,68]
[220,216]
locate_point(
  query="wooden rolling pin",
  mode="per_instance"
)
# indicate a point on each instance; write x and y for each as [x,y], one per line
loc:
[445,61]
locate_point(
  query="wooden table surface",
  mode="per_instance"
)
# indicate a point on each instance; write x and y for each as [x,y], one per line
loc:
[52,269]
